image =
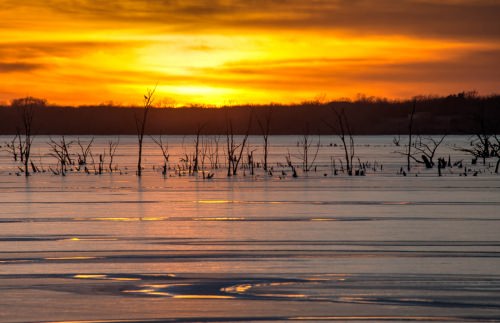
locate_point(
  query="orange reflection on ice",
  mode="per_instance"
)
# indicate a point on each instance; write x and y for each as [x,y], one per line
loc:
[147,291]
[128,219]
[204,296]
[90,239]
[238,289]
[72,258]
[116,219]
[81,276]
[214,201]
[220,219]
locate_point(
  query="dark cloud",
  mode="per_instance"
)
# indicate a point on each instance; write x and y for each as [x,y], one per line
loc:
[432,18]
[18,67]
[28,50]
[475,67]
[479,67]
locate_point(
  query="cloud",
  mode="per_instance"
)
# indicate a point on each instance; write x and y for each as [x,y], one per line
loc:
[474,19]
[479,68]
[477,19]
[29,50]
[18,67]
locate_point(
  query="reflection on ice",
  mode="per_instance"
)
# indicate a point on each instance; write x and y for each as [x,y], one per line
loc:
[90,276]
[72,258]
[219,219]
[204,296]
[214,201]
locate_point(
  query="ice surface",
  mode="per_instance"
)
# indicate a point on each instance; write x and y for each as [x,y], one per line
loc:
[382,247]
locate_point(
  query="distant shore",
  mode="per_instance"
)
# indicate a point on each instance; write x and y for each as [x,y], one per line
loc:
[455,114]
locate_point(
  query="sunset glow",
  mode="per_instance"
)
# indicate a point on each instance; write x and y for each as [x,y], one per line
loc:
[231,52]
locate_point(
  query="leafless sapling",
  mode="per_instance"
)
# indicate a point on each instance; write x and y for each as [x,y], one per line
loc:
[410,134]
[60,150]
[250,159]
[481,145]
[265,128]
[164,151]
[26,108]
[308,151]
[140,124]
[213,152]
[11,147]
[396,141]
[343,130]
[234,150]
[196,162]
[204,154]
[496,152]
[426,148]
[112,145]
[86,150]
[289,163]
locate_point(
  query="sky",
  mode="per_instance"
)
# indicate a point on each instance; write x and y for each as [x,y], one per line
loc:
[218,52]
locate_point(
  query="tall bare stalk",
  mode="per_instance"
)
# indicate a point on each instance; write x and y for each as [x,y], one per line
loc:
[196,163]
[235,151]
[344,129]
[140,124]
[410,134]
[308,160]
[86,150]
[60,150]
[164,151]
[26,108]
[112,145]
[265,128]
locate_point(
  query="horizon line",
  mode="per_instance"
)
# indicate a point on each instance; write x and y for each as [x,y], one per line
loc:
[360,98]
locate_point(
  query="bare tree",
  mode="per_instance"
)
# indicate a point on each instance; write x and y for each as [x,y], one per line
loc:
[344,129]
[250,159]
[11,147]
[112,145]
[265,128]
[235,151]
[289,163]
[306,144]
[196,166]
[186,161]
[410,134]
[481,145]
[164,151]
[86,150]
[60,150]
[140,124]
[497,152]
[205,151]
[396,141]
[102,157]
[213,152]
[230,145]
[26,108]
[426,148]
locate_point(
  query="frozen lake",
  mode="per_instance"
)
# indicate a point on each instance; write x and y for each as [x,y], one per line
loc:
[320,247]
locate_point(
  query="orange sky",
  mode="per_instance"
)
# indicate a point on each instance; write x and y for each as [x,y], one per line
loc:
[246,51]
